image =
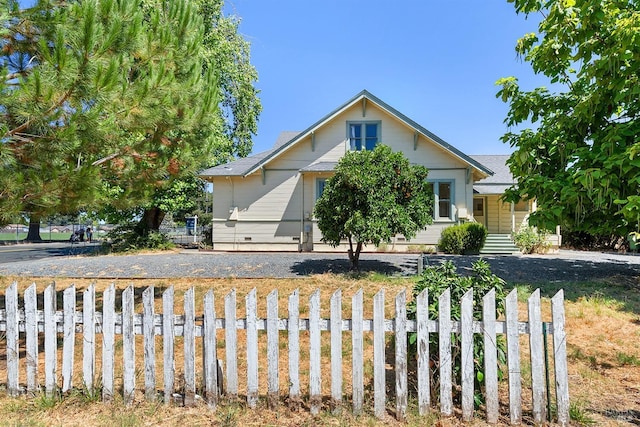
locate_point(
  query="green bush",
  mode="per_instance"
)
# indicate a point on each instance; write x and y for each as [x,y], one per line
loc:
[125,238]
[530,240]
[463,238]
[436,280]
[476,235]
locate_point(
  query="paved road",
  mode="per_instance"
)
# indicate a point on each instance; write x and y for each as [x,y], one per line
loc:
[11,253]
[565,266]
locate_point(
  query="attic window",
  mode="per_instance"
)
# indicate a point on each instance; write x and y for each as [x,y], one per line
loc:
[363,135]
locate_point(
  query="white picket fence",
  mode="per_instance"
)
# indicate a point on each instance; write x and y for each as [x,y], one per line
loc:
[24,324]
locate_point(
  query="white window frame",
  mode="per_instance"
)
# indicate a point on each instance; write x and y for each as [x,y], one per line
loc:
[436,198]
[364,123]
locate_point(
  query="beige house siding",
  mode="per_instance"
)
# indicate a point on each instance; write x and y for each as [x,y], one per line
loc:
[268,215]
[268,204]
[501,219]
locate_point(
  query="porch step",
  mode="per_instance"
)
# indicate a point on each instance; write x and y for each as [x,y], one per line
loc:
[499,244]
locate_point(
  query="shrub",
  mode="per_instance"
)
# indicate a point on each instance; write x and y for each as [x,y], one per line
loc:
[463,238]
[530,240]
[476,235]
[125,238]
[436,280]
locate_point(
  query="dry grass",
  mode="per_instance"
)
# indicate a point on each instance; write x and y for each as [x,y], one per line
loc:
[603,326]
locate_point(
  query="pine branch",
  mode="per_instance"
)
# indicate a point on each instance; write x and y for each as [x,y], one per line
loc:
[28,123]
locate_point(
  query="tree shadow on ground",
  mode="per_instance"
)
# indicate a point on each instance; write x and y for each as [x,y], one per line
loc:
[579,278]
[343,265]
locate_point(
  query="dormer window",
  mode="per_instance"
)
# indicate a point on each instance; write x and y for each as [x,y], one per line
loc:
[363,135]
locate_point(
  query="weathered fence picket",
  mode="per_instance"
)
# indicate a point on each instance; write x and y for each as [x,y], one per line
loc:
[89,336]
[513,357]
[28,322]
[422,340]
[273,351]
[189,339]
[560,357]
[293,329]
[50,340]
[536,350]
[252,348]
[402,358]
[69,336]
[336,351]
[379,360]
[148,325]
[108,341]
[231,340]
[128,345]
[357,344]
[315,385]
[209,350]
[466,332]
[31,339]
[168,341]
[444,345]
[11,328]
[490,356]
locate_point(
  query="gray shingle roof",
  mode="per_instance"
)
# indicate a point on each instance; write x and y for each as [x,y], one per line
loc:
[242,166]
[501,178]
[320,167]
[247,165]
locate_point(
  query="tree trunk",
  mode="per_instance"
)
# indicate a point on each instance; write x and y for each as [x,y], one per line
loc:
[34,229]
[150,221]
[354,256]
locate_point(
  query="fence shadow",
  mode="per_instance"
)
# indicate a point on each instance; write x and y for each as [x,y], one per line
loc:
[343,265]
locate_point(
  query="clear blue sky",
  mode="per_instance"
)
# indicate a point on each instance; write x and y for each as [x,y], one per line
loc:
[435,61]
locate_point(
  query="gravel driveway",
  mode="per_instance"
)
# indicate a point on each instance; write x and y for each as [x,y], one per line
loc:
[564,266]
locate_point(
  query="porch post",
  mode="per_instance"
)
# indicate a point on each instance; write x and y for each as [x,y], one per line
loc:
[513,217]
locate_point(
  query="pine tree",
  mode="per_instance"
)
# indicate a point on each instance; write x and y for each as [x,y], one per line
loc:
[102,100]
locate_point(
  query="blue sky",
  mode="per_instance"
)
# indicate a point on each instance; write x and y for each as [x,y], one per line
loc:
[435,61]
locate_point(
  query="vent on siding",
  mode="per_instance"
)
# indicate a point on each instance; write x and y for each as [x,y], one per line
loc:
[401,239]
[297,239]
[247,239]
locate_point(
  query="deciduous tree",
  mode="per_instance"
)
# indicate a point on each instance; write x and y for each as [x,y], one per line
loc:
[373,196]
[228,53]
[576,150]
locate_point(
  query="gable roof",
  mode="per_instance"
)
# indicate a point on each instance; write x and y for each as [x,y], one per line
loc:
[501,178]
[248,165]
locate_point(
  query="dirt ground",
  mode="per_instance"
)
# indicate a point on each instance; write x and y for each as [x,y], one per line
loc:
[603,327]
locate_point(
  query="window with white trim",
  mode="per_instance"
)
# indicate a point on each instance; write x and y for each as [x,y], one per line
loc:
[443,199]
[363,135]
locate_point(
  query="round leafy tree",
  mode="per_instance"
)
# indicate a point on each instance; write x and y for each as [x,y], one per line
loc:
[576,147]
[373,196]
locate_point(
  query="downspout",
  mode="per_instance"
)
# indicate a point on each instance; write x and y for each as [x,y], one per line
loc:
[212,214]
[235,226]
[300,247]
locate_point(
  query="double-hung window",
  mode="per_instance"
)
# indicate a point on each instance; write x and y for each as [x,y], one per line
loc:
[443,198]
[363,135]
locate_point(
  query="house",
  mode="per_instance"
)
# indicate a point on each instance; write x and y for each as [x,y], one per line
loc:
[265,202]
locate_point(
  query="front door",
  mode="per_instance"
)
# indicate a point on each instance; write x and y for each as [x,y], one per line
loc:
[479,210]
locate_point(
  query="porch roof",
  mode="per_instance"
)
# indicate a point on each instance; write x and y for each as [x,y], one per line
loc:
[320,167]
